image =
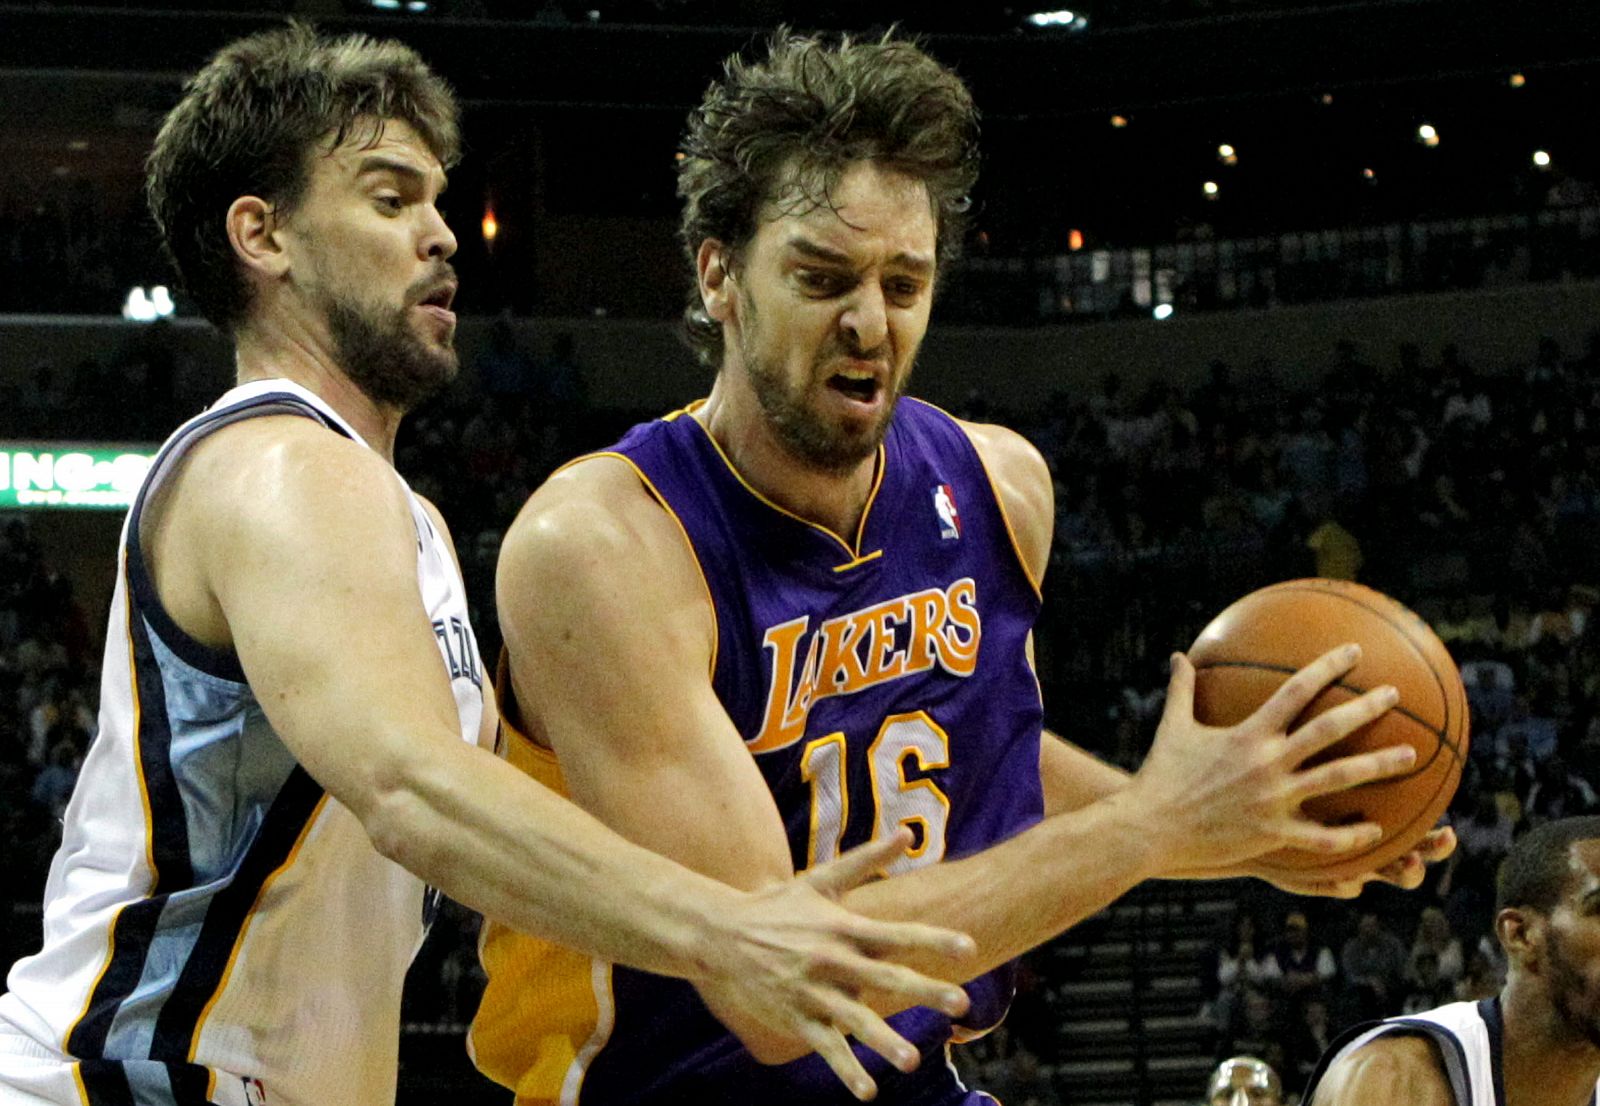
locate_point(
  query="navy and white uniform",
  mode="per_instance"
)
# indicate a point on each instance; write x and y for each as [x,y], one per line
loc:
[1467,1035]
[217,928]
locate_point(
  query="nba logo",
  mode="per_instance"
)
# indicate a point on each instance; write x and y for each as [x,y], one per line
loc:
[254,1092]
[944,503]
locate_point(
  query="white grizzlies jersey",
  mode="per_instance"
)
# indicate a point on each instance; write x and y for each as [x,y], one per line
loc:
[1468,1037]
[216,927]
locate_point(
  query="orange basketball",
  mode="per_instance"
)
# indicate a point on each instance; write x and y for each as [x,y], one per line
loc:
[1257,643]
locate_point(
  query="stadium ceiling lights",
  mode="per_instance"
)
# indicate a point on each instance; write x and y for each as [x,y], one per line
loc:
[1066,20]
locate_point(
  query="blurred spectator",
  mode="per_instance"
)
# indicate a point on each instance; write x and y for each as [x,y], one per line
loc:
[1373,963]
[1306,968]
[1239,963]
[1434,936]
[1244,1081]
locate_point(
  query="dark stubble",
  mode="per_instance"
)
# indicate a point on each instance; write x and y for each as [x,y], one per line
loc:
[808,437]
[1569,989]
[381,352]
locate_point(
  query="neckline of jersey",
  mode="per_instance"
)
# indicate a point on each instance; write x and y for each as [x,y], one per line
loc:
[854,550]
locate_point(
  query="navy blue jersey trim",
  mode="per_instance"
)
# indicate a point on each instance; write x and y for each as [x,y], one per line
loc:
[105,1083]
[228,914]
[135,926]
[1451,1055]
[169,827]
[1494,1022]
[221,663]
[190,1084]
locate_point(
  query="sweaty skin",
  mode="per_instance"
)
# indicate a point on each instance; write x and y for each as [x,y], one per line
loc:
[611,665]
[1390,1069]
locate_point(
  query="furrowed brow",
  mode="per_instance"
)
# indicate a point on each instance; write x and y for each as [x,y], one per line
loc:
[377,163]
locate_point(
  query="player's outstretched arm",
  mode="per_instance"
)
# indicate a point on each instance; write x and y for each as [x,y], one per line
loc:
[307,548]
[1071,777]
[1390,1069]
[611,635]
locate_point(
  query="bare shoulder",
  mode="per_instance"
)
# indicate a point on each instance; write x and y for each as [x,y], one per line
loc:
[1023,482]
[594,541]
[1389,1069]
[286,462]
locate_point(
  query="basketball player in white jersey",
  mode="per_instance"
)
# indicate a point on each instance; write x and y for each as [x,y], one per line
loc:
[294,715]
[1535,1044]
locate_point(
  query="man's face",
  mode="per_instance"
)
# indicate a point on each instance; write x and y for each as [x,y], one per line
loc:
[1572,946]
[370,257]
[831,305]
[1245,1081]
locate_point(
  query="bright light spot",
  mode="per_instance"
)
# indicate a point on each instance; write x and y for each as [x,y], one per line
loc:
[1369,174]
[1162,311]
[491,226]
[1074,239]
[679,156]
[416,5]
[1516,80]
[387,5]
[78,145]
[146,308]
[1225,151]
[1210,189]
[594,16]
[1541,159]
[1119,121]
[1060,18]
[1327,98]
[1428,135]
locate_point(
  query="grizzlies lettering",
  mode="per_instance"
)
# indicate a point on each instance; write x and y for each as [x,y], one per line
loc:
[886,641]
[460,649]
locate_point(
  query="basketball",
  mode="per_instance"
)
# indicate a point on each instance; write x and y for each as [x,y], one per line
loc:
[1247,652]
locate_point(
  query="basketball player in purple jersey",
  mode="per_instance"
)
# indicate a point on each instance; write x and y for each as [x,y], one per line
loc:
[797,615]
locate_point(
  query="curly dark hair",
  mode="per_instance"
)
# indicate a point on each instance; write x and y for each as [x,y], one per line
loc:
[789,126]
[1536,872]
[247,125]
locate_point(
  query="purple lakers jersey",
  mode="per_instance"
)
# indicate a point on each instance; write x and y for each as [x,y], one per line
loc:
[879,684]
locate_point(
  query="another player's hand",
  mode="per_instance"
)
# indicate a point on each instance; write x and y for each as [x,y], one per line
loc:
[1406,872]
[789,963]
[1215,798]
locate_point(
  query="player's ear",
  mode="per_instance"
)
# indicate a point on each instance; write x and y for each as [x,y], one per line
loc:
[252,226]
[713,263]
[1521,934]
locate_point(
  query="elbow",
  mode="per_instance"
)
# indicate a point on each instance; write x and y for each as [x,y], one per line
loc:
[395,813]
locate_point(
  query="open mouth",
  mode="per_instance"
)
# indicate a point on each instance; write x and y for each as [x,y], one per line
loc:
[441,297]
[861,389]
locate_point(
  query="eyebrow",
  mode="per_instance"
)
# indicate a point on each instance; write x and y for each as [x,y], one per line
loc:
[377,163]
[922,266]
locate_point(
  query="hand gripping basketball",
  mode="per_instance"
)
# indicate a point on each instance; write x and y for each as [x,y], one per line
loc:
[1215,797]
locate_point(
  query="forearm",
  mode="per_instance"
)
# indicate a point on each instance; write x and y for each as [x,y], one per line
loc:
[1026,890]
[492,838]
[1072,778]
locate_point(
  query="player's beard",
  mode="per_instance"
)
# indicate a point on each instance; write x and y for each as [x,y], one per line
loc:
[381,352]
[808,436]
[1573,994]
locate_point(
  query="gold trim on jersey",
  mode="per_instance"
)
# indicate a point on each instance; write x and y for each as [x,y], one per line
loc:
[244,928]
[999,500]
[547,1011]
[149,820]
[683,531]
[861,528]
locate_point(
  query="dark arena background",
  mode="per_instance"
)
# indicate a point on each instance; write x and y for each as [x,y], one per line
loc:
[1279,289]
